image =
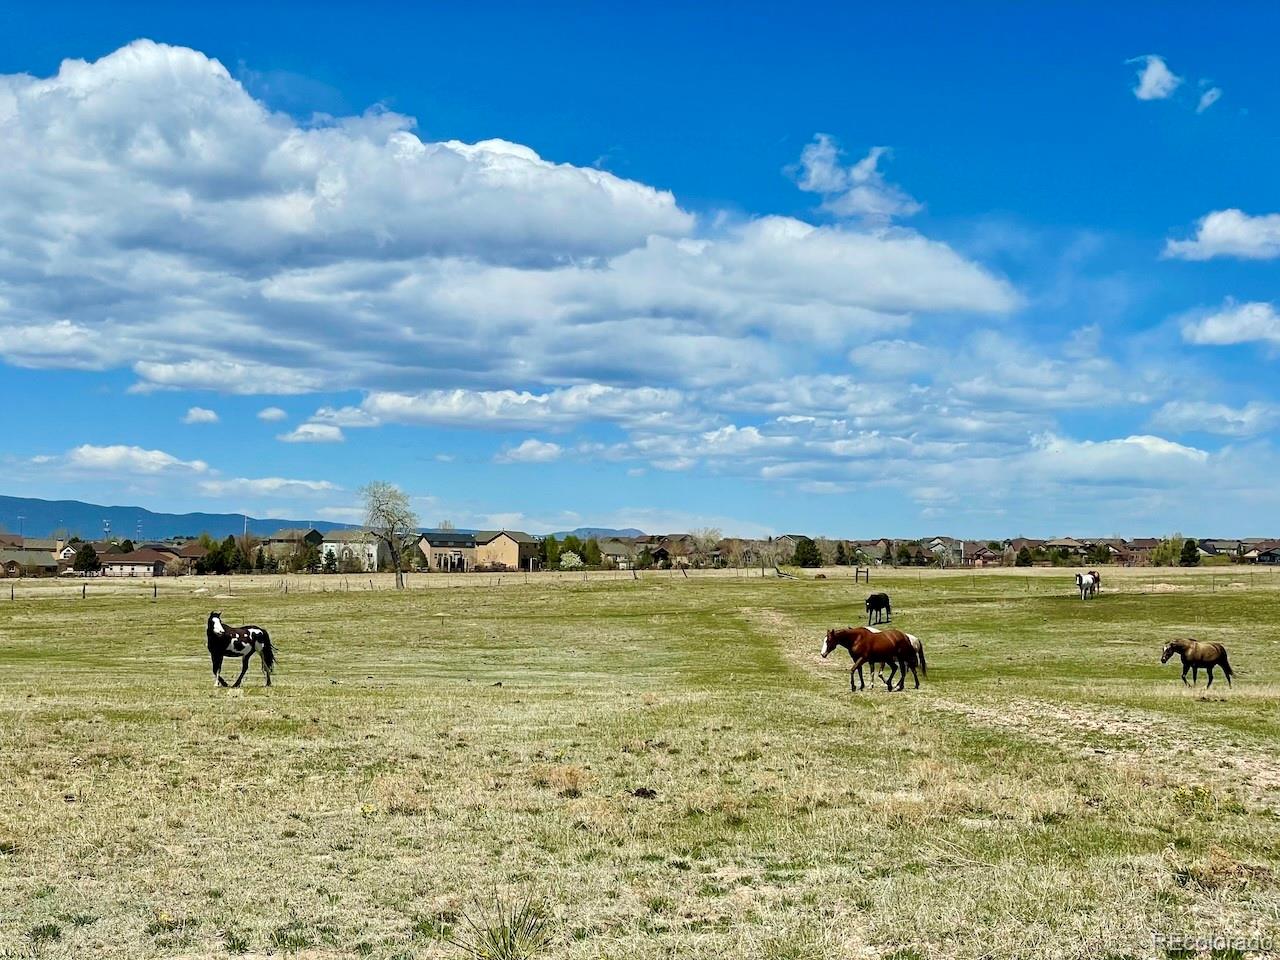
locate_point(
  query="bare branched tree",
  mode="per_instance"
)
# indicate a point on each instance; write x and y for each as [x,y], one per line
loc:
[704,543]
[389,517]
[445,525]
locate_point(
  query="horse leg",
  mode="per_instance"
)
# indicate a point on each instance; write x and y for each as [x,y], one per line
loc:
[217,669]
[902,674]
[1209,670]
[244,668]
[1195,674]
[914,676]
[857,669]
[893,668]
[1185,668]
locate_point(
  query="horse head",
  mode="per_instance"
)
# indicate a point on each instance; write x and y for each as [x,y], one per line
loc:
[1172,647]
[215,622]
[829,644]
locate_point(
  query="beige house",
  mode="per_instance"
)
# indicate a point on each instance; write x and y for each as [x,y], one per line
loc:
[448,551]
[506,550]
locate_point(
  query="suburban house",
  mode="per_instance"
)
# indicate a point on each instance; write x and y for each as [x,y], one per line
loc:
[981,555]
[1268,552]
[26,563]
[1069,545]
[449,551]
[507,550]
[139,563]
[618,552]
[358,549]
[288,541]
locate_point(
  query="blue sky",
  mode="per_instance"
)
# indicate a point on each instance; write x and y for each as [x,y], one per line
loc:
[982,270]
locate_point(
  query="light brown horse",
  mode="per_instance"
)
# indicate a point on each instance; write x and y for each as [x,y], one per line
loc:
[868,645]
[1196,655]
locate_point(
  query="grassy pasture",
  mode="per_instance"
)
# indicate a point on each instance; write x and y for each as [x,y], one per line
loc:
[666,763]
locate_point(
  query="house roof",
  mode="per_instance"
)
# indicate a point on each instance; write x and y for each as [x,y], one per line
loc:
[519,536]
[28,558]
[144,555]
[193,550]
[347,536]
[47,544]
[449,538]
[617,547]
[292,534]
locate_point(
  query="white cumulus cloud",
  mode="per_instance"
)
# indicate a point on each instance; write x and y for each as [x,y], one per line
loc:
[120,458]
[1230,233]
[1235,323]
[272,414]
[200,415]
[1155,80]
[208,243]
[531,451]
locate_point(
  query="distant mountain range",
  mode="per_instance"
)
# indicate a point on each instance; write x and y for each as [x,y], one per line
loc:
[44,518]
[600,533]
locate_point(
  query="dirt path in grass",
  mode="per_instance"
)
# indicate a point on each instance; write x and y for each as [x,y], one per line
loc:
[1128,736]
[1119,735]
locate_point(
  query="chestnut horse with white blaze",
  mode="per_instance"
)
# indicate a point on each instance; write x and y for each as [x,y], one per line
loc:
[901,651]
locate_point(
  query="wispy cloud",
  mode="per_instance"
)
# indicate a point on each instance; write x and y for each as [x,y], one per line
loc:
[858,190]
[313,433]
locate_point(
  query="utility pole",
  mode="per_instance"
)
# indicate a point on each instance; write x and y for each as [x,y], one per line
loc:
[20,519]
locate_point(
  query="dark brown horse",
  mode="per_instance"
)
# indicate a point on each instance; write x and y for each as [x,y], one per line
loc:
[901,651]
[1196,655]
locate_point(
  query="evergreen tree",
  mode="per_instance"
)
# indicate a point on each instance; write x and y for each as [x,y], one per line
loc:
[1190,556]
[1024,557]
[645,559]
[591,554]
[86,560]
[807,554]
[842,558]
[330,562]
[550,552]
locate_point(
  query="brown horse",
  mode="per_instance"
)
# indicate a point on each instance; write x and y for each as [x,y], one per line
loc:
[1196,655]
[878,647]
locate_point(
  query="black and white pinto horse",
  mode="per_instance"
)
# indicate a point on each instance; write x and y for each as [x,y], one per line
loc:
[878,606]
[1088,584]
[244,642]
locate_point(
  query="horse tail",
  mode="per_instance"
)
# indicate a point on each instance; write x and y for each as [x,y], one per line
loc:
[924,667]
[1226,667]
[268,653]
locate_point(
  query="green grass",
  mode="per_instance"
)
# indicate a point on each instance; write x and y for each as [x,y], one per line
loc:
[667,769]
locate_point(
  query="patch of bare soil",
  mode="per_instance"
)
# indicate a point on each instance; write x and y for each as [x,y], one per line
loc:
[1127,737]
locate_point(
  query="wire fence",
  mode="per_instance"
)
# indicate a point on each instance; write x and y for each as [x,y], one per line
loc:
[987,582]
